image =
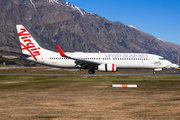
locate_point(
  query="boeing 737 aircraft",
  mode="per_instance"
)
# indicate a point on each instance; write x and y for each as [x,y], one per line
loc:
[108,62]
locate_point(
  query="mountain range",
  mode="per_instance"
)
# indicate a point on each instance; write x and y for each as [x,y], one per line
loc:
[53,22]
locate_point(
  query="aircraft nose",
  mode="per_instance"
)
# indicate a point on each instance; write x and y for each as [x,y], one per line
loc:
[168,63]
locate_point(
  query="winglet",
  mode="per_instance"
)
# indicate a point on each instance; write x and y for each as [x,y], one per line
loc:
[60,51]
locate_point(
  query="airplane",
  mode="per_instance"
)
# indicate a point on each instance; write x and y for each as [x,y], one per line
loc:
[106,62]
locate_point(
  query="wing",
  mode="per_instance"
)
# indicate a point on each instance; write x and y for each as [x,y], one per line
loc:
[82,62]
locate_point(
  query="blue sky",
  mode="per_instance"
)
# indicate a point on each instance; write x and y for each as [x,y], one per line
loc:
[160,18]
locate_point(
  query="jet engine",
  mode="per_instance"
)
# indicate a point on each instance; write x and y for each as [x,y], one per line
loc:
[107,67]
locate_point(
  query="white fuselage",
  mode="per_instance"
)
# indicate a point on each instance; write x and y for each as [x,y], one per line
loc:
[123,60]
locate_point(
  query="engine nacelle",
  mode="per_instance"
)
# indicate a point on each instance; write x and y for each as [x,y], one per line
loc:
[107,67]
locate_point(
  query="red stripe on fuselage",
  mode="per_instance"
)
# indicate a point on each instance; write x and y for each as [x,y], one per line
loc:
[113,67]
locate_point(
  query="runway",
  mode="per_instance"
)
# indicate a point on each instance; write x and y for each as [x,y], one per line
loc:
[166,72]
[99,74]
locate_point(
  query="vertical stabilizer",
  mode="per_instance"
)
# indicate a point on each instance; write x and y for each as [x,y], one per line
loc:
[28,45]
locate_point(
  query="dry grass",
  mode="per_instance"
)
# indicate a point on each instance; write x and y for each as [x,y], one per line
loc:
[89,97]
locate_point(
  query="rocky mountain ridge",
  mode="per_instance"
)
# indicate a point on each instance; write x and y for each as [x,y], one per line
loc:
[54,22]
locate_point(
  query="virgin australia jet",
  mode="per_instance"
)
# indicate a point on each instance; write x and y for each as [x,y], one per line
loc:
[107,62]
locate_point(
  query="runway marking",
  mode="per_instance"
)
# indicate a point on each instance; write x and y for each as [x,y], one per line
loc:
[122,85]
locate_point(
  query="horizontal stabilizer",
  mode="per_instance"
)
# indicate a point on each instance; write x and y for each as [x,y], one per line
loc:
[25,55]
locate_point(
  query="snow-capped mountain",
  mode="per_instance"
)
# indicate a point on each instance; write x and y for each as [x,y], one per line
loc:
[54,22]
[71,6]
[132,27]
[56,1]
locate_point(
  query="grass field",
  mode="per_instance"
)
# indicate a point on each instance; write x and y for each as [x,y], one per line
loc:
[77,97]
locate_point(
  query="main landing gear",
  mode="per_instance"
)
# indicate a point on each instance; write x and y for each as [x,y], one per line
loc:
[91,71]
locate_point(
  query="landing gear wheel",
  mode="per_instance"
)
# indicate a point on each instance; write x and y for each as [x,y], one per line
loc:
[154,72]
[91,71]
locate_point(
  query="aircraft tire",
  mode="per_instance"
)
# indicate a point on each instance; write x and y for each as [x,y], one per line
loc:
[91,71]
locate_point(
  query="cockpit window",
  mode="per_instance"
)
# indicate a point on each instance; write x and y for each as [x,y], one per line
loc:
[161,59]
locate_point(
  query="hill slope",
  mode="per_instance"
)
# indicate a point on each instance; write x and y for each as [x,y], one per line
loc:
[54,22]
